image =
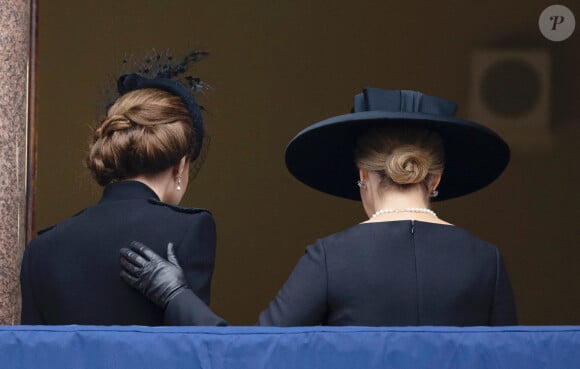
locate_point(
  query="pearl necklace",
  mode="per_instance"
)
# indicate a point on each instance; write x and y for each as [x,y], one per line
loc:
[403,210]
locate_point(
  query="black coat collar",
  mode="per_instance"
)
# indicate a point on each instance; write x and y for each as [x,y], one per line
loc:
[128,190]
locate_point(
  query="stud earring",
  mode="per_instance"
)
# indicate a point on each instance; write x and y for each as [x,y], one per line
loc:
[434,194]
[178,183]
[361,184]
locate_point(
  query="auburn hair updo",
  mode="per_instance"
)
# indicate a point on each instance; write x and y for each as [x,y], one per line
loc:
[145,131]
[401,155]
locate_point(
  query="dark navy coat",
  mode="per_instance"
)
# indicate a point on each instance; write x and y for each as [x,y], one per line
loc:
[398,273]
[70,272]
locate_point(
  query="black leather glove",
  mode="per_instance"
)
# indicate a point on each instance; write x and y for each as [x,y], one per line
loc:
[158,279]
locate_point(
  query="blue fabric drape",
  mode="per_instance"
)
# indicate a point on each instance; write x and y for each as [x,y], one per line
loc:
[140,347]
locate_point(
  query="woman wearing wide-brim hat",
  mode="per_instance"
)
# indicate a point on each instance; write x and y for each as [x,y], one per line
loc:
[397,151]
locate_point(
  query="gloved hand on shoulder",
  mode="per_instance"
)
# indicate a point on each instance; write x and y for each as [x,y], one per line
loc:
[158,279]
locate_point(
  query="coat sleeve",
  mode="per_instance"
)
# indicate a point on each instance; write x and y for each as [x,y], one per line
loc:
[302,300]
[30,313]
[188,309]
[503,311]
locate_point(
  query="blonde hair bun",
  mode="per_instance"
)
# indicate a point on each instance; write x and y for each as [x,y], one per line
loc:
[407,165]
[400,155]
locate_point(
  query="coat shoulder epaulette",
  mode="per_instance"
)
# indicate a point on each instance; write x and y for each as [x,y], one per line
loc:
[44,230]
[54,225]
[181,209]
[79,213]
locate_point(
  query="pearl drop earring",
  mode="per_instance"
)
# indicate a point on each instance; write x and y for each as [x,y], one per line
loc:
[178,183]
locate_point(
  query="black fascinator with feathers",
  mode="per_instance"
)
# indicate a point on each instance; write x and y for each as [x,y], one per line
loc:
[162,71]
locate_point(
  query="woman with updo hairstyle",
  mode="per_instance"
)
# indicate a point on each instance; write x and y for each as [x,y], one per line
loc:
[396,152]
[143,152]
[146,131]
[406,159]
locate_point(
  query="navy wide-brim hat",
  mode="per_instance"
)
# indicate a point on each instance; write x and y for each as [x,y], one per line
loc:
[322,155]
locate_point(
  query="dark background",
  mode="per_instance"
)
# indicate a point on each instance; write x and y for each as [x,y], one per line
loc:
[278,66]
